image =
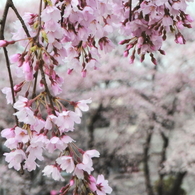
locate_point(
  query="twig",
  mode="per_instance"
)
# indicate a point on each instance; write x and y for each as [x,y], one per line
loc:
[11,81]
[3,21]
[39,19]
[19,17]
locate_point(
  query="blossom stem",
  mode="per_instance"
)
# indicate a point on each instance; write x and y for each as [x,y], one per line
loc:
[39,19]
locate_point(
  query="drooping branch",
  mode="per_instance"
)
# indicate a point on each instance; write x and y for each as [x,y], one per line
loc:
[19,17]
[2,30]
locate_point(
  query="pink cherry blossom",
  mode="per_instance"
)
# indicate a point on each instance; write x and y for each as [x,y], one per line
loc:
[102,186]
[88,155]
[66,163]
[52,171]
[8,133]
[21,135]
[66,120]
[59,143]
[24,114]
[50,13]
[15,158]
[30,164]
[11,143]
[8,93]
[82,106]
[49,121]
[28,71]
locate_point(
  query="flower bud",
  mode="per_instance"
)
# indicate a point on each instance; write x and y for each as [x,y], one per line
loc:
[3,43]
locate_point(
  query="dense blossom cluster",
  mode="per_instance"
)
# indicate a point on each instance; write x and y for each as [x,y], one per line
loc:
[148,24]
[72,32]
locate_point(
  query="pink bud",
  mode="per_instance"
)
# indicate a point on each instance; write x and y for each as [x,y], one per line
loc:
[162,51]
[15,58]
[18,87]
[124,41]
[3,43]
[179,39]
[131,60]
[189,18]
[69,71]
[71,182]
[126,53]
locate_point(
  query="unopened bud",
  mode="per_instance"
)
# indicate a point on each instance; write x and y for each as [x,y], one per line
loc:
[3,43]
[69,71]
[162,51]
[124,41]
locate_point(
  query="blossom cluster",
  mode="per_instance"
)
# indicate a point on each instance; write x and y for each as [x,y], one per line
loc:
[148,24]
[69,31]
[72,32]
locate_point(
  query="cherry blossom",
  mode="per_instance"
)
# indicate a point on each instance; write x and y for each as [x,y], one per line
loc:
[66,163]
[88,155]
[102,186]
[15,158]
[53,171]
[8,93]
[66,120]
[82,106]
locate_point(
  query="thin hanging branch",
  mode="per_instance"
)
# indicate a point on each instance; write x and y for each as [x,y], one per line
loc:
[20,18]
[2,30]
[10,4]
[39,19]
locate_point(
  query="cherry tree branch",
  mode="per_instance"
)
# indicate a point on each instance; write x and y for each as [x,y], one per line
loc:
[39,19]
[19,17]
[3,22]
